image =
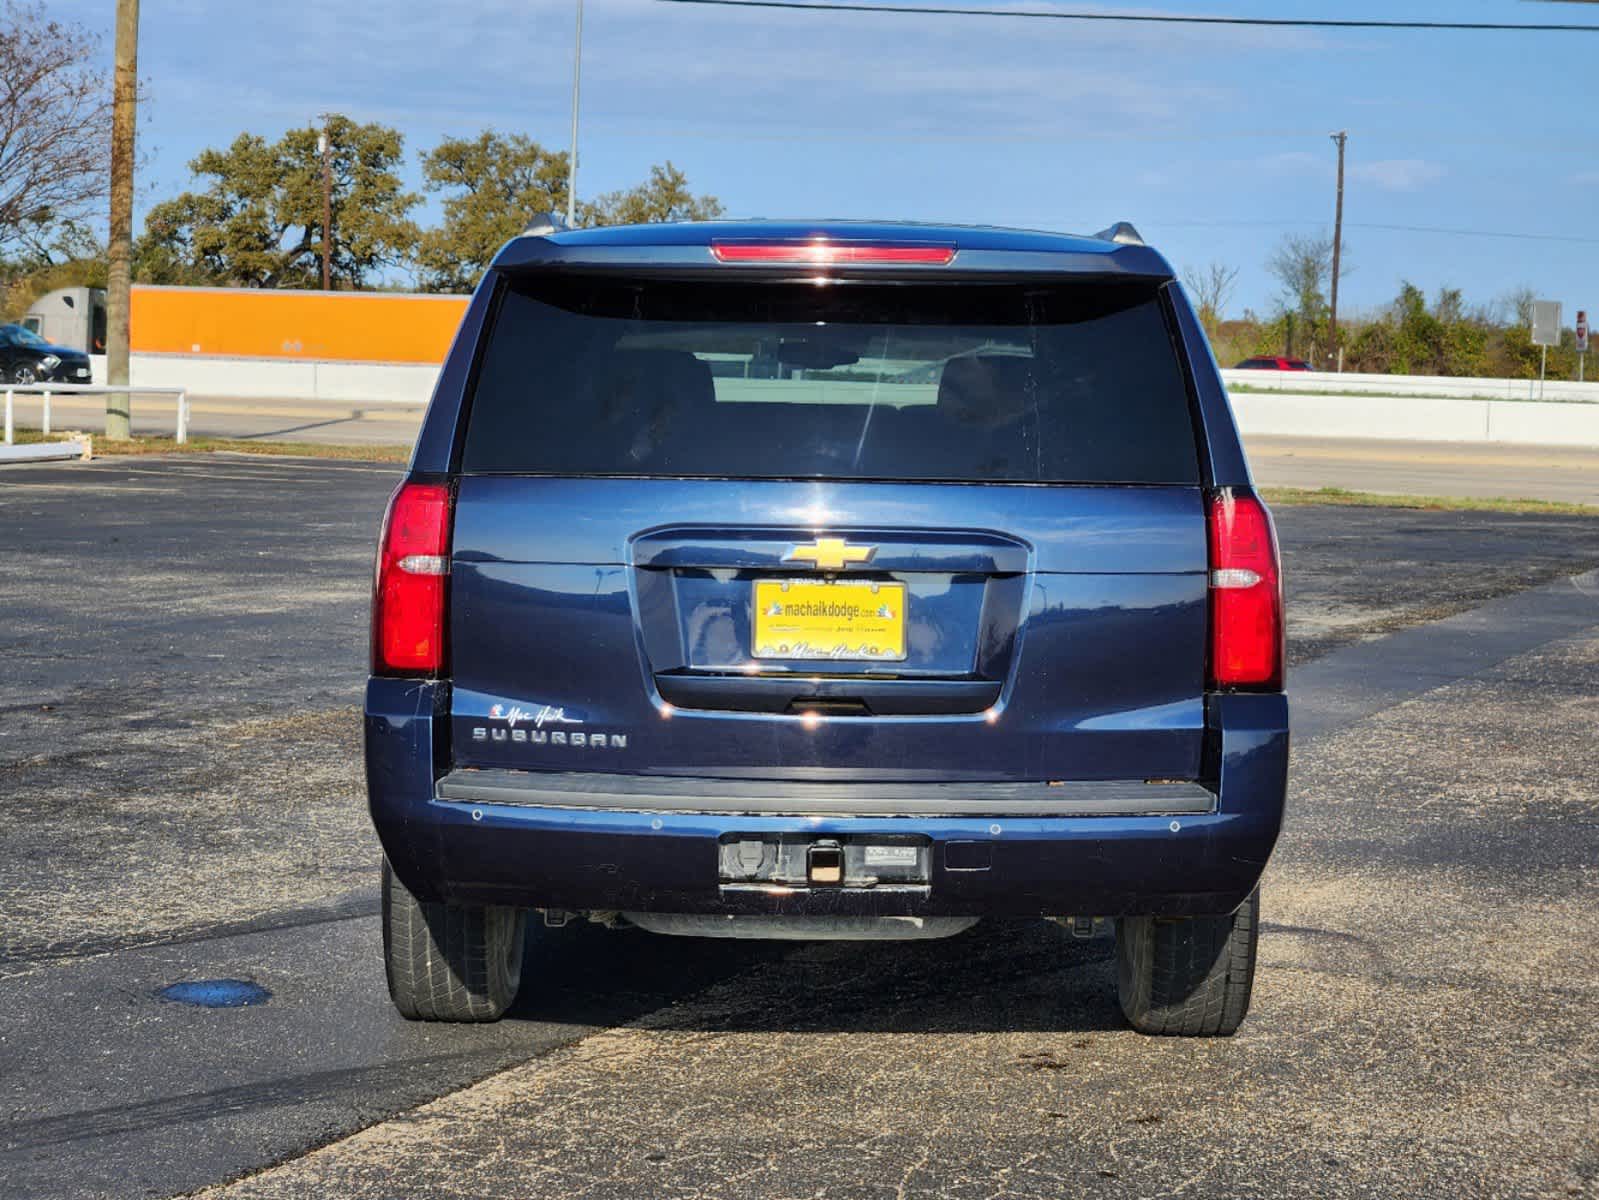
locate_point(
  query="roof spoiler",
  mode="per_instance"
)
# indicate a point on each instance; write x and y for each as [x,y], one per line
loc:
[1122,233]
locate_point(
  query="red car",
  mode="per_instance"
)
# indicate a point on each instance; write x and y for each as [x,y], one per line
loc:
[1273,362]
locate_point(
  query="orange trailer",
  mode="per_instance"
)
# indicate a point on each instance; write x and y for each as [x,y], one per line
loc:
[373,327]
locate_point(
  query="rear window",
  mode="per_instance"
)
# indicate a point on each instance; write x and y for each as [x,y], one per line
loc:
[970,382]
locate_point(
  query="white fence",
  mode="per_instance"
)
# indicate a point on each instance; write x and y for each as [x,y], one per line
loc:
[1288,403]
[1414,385]
[46,391]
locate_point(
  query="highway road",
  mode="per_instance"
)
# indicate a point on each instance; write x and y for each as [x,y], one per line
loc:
[179,756]
[1566,474]
[1396,468]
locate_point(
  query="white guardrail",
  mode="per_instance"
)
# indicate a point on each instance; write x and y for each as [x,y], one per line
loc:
[1311,404]
[47,390]
[282,379]
[1465,387]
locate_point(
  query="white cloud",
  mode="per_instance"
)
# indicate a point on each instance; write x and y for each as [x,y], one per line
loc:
[1399,174]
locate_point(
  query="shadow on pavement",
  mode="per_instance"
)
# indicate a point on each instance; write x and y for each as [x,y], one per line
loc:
[1001,976]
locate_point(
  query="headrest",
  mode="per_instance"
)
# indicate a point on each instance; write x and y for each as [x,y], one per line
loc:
[634,378]
[985,391]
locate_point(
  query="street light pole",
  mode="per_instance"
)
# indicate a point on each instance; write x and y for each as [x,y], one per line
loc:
[325,148]
[577,80]
[119,250]
[1340,137]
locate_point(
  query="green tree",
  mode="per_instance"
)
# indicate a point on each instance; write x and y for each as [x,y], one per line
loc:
[1418,336]
[494,184]
[1415,338]
[258,221]
[664,196]
[72,257]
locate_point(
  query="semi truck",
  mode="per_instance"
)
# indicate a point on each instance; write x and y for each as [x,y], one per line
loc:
[371,327]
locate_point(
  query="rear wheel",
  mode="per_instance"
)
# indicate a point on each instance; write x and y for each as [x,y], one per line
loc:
[1188,977]
[450,962]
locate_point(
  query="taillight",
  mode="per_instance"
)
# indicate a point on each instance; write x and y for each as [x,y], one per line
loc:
[1246,597]
[408,594]
[822,252]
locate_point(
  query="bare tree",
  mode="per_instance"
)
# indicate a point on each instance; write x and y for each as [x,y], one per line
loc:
[55,125]
[1302,264]
[1211,288]
[1516,306]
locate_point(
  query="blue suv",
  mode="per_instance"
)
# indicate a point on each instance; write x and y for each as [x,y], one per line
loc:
[827,580]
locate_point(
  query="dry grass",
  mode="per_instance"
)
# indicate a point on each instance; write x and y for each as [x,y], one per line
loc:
[1332,495]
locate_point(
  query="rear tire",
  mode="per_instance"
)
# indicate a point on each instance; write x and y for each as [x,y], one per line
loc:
[450,962]
[1188,977]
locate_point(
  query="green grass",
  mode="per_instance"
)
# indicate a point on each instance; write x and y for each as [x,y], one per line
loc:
[1331,495]
[165,444]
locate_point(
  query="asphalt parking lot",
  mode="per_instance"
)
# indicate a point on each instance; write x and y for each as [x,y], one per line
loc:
[179,765]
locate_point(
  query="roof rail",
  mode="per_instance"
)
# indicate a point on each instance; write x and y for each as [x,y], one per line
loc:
[1122,233]
[544,223]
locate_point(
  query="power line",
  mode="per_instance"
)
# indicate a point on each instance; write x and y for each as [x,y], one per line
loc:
[1156,19]
[1155,223]
[628,126]
[1491,233]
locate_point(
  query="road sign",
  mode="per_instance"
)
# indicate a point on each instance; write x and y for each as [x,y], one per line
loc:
[1546,322]
[1582,332]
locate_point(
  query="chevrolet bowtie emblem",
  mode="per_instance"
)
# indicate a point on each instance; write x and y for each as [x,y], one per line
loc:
[831,554]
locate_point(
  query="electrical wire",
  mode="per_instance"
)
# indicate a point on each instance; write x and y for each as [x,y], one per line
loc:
[1157,223]
[1160,18]
[627,126]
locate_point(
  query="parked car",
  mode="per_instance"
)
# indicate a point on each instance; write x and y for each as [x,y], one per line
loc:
[956,602]
[26,358]
[1273,362]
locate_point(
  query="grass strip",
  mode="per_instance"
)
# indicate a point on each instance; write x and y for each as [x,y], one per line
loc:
[1333,495]
[166,444]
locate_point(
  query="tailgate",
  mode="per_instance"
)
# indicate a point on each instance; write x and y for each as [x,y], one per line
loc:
[1053,633]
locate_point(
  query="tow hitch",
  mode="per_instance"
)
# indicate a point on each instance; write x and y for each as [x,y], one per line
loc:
[824,864]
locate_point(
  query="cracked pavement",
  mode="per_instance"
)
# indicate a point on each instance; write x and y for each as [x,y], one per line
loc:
[179,762]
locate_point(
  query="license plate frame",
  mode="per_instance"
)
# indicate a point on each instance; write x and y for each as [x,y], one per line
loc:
[864,620]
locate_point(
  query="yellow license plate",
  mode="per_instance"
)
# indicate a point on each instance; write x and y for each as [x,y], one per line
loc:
[842,620]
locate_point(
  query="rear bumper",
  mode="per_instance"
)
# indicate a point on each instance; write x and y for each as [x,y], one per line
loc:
[579,792]
[636,843]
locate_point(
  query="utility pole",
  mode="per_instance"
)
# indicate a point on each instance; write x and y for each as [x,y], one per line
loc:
[324,146]
[119,253]
[1340,138]
[571,165]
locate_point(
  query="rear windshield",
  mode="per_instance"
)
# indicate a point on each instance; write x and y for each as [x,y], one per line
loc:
[968,382]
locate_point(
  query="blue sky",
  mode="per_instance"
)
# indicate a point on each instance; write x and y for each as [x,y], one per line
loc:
[1213,141]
